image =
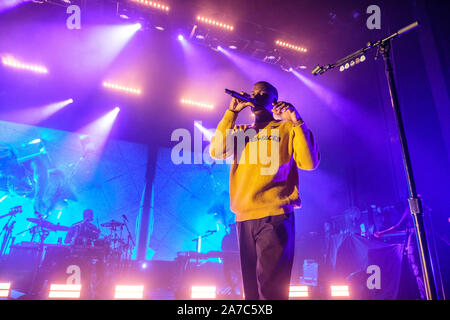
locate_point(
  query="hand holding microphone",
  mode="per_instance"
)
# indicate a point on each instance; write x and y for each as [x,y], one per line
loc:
[239,101]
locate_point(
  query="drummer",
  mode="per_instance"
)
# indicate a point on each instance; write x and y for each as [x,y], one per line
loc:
[83,232]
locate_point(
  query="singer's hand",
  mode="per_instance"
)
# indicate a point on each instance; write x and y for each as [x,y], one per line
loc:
[286,111]
[237,105]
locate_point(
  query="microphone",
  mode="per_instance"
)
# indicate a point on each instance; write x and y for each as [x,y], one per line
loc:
[237,95]
[211,231]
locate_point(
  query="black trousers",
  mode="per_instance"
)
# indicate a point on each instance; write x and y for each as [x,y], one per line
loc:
[266,248]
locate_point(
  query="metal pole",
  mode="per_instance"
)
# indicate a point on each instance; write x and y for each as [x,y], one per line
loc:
[142,240]
[415,204]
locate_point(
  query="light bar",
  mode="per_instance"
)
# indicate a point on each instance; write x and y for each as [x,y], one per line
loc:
[203,292]
[129,292]
[340,291]
[352,63]
[197,104]
[119,87]
[13,63]
[65,291]
[290,46]
[298,291]
[4,289]
[152,4]
[215,23]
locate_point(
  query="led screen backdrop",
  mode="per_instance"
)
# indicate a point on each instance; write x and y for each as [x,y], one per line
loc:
[61,174]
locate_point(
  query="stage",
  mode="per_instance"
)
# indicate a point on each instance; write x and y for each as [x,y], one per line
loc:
[110,117]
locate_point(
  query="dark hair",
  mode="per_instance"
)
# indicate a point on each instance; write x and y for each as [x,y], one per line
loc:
[270,87]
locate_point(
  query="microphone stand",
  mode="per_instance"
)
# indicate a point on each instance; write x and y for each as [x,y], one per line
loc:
[415,205]
[199,239]
[130,237]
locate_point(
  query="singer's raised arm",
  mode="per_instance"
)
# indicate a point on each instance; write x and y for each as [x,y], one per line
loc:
[303,147]
[221,146]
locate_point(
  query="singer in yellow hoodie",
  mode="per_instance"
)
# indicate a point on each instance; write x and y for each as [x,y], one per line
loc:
[264,186]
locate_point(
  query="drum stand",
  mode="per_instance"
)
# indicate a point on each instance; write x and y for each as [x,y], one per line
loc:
[6,231]
[37,265]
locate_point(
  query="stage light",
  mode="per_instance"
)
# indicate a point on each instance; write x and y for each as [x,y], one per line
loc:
[3,198]
[203,292]
[65,291]
[197,104]
[115,86]
[153,4]
[129,292]
[352,63]
[290,46]
[208,135]
[35,115]
[34,141]
[219,48]
[298,291]
[232,47]
[93,136]
[159,28]
[290,69]
[14,63]
[215,23]
[180,37]
[340,291]
[5,288]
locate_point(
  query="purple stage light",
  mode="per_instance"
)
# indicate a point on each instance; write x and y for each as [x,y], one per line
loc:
[14,63]
[106,41]
[10,4]
[207,133]
[254,70]
[35,115]
[290,46]
[197,104]
[180,37]
[215,23]
[153,4]
[95,135]
[118,87]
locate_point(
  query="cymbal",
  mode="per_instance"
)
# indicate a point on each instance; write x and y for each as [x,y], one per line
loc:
[48,225]
[112,224]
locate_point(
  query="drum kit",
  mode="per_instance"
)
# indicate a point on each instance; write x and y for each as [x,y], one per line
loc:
[114,241]
[113,249]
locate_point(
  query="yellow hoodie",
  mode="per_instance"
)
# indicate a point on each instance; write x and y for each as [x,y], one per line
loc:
[264,176]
